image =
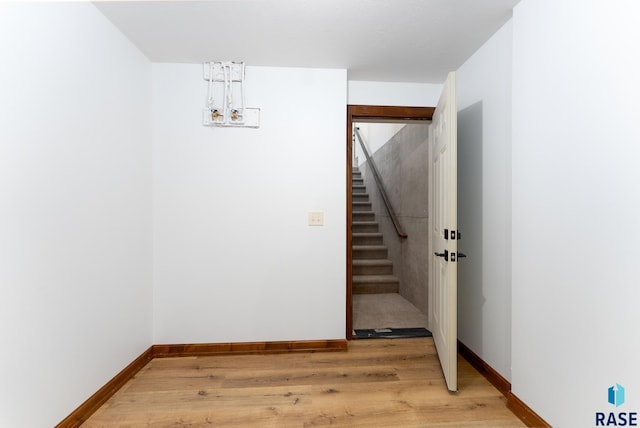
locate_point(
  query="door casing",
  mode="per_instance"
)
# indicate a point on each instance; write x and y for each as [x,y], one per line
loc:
[357,113]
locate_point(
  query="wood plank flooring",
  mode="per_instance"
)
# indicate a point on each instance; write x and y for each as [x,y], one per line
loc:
[376,383]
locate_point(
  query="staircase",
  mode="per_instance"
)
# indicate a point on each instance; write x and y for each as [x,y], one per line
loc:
[372,270]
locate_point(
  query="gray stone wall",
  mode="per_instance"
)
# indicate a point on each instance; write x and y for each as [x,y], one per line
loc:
[402,163]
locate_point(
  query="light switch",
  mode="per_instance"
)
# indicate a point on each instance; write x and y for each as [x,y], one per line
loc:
[316,218]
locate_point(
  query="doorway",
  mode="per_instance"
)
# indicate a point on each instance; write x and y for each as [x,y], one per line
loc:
[357,113]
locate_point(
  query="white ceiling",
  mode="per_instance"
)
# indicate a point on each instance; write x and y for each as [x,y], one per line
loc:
[377,40]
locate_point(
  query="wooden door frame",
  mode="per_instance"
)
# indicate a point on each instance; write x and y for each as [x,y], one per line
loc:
[354,114]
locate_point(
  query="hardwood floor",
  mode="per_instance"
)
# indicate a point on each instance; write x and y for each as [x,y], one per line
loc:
[377,383]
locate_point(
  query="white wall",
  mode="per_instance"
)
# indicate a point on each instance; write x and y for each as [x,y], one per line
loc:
[576,208]
[484,195]
[394,93]
[234,258]
[375,135]
[75,169]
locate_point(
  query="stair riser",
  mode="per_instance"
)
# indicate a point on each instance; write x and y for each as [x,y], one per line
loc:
[361,206]
[370,254]
[372,270]
[364,227]
[363,216]
[357,181]
[367,240]
[375,289]
[360,197]
[358,189]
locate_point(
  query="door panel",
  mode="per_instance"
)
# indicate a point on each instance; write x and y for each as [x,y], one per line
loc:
[443,286]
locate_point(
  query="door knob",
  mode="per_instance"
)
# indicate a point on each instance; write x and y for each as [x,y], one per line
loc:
[461,255]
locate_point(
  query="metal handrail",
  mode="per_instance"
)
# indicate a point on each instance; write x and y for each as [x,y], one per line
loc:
[383,192]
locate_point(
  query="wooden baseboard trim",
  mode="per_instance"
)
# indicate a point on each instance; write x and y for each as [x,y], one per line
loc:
[495,378]
[517,406]
[93,403]
[208,349]
[524,412]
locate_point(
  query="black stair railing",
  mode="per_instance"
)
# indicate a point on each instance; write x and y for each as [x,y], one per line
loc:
[379,183]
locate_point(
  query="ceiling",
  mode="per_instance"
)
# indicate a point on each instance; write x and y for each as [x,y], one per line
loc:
[376,40]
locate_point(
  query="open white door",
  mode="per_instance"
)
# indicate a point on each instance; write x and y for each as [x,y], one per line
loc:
[443,231]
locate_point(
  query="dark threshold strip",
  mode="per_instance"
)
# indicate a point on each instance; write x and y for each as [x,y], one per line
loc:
[392,333]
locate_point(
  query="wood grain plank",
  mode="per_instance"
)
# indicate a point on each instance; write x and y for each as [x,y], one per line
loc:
[382,382]
[93,403]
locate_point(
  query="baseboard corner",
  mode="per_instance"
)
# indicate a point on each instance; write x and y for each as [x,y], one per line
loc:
[495,378]
[525,413]
[93,403]
[517,406]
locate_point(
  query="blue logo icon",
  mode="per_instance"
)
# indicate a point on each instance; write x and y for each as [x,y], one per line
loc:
[616,395]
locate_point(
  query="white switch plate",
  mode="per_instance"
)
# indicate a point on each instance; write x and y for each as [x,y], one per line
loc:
[316,218]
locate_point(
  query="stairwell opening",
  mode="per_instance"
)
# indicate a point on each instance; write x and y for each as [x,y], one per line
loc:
[387,275]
